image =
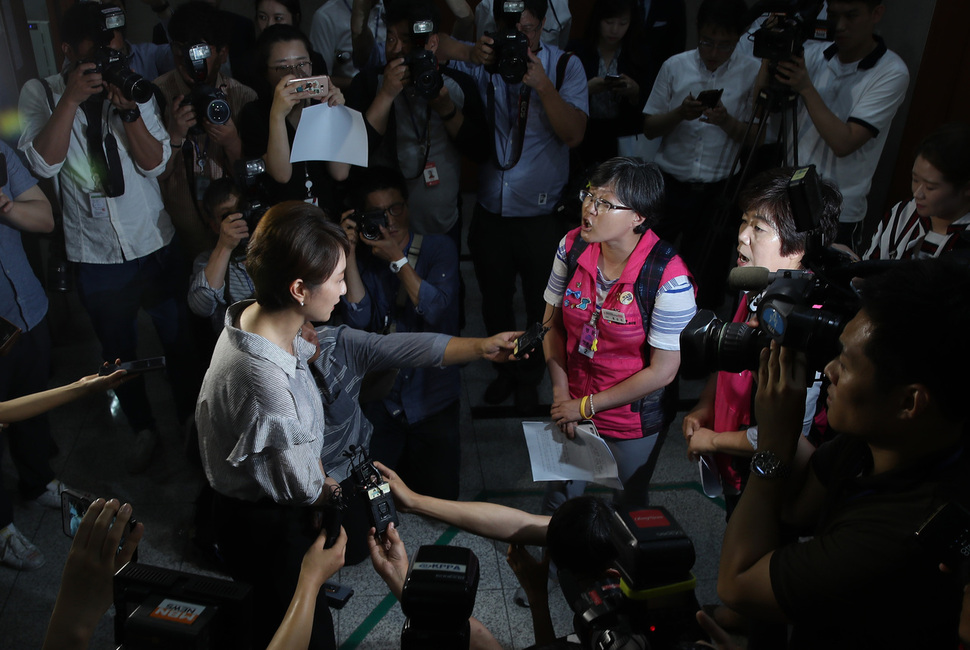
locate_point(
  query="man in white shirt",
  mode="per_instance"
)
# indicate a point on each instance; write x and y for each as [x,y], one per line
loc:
[106,151]
[850,91]
[330,35]
[698,138]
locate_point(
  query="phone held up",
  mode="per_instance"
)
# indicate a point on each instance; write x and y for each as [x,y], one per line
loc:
[311,85]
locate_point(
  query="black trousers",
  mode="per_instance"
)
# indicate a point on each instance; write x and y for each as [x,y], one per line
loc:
[25,370]
[263,544]
[503,249]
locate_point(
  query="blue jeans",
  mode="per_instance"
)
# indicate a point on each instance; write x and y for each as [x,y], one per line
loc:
[112,294]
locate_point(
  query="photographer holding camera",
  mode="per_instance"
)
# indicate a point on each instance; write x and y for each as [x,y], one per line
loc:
[107,151]
[537,105]
[849,91]
[406,282]
[201,103]
[862,580]
[420,117]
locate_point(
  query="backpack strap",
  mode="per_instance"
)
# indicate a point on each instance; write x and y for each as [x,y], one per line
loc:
[50,93]
[648,282]
[561,69]
[572,256]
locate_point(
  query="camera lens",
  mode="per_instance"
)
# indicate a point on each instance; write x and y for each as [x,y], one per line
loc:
[217,111]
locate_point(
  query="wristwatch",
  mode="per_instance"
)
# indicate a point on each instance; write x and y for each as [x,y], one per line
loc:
[128,114]
[398,265]
[767,465]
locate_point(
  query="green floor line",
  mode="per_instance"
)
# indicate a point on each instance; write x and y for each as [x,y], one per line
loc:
[383,607]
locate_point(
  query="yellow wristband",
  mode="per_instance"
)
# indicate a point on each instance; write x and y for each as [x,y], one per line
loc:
[582,408]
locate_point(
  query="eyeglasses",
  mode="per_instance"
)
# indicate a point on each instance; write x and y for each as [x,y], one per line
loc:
[393,210]
[720,47]
[528,30]
[300,68]
[600,204]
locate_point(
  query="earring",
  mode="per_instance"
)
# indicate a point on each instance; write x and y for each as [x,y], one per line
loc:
[301,303]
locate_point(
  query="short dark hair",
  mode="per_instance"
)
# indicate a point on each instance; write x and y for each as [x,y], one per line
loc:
[218,192]
[902,303]
[375,179]
[578,536]
[198,21]
[537,8]
[293,240]
[948,150]
[293,6]
[82,22]
[399,11]
[636,184]
[606,9]
[277,34]
[729,15]
[767,193]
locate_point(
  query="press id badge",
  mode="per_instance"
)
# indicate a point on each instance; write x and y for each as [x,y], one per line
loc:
[587,340]
[201,185]
[99,205]
[431,175]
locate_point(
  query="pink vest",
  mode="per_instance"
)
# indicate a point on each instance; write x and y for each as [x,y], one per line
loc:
[732,407]
[622,349]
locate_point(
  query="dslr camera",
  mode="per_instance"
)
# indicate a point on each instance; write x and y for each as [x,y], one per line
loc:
[370,222]
[208,102]
[511,46]
[110,63]
[806,310]
[249,174]
[426,80]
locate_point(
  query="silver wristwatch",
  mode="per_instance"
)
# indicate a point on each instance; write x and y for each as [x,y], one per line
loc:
[767,465]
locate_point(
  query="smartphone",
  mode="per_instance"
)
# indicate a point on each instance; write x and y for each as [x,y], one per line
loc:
[529,341]
[312,85]
[74,503]
[709,98]
[613,80]
[337,595]
[134,367]
[946,535]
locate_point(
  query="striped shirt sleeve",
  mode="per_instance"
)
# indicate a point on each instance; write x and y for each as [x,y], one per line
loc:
[672,310]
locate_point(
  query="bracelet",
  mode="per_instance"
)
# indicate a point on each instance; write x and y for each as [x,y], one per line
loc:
[451,115]
[582,408]
[592,409]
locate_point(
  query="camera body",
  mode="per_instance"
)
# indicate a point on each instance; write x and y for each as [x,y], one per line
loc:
[426,79]
[784,34]
[209,104]
[438,597]
[370,222]
[251,205]
[511,55]
[110,64]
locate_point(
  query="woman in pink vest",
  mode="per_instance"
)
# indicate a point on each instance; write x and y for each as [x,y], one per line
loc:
[616,310]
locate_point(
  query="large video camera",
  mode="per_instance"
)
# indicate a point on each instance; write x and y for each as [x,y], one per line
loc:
[426,80]
[438,597]
[511,46]
[652,604]
[110,63]
[209,103]
[783,34]
[805,310]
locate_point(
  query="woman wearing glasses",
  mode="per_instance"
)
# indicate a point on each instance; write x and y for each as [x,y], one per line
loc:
[605,363]
[268,125]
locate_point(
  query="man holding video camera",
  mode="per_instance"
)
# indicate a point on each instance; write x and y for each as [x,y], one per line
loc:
[106,151]
[420,117]
[863,580]
[537,104]
[200,105]
[849,91]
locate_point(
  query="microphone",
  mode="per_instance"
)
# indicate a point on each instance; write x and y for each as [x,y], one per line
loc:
[756,278]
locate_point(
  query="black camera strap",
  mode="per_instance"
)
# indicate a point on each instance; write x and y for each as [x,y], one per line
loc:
[103,149]
[426,136]
[521,120]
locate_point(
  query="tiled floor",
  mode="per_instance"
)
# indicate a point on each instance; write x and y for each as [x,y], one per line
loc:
[495,467]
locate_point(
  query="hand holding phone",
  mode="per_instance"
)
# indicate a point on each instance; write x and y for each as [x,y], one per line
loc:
[709,98]
[614,80]
[133,367]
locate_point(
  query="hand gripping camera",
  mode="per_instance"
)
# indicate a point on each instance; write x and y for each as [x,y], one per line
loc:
[249,174]
[369,483]
[209,103]
[511,46]
[110,63]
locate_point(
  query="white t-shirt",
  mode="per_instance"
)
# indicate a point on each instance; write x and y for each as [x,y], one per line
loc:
[330,34]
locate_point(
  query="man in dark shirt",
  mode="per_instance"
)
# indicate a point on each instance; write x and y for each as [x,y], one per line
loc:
[861,581]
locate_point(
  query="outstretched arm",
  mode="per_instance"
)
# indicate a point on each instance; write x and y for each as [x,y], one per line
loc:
[28,406]
[477,517]
[462,349]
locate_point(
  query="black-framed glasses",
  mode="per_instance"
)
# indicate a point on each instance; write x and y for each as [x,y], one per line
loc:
[600,204]
[720,47]
[301,68]
[393,210]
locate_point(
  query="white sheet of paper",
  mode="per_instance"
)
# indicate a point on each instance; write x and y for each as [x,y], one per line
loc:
[334,133]
[554,457]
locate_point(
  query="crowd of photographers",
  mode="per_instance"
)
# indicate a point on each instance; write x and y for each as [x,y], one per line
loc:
[171,166]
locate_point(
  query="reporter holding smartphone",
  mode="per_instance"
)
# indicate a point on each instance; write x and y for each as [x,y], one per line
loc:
[268,124]
[698,142]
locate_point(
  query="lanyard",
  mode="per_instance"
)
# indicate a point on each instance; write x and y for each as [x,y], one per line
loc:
[521,119]
[426,136]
